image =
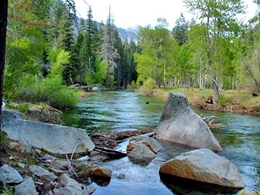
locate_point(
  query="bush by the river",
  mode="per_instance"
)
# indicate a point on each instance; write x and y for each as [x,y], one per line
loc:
[50,90]
[148,87]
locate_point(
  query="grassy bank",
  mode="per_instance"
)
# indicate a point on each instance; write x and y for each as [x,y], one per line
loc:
[237,101]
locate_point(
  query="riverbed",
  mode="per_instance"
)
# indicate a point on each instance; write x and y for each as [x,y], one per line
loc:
[108,111]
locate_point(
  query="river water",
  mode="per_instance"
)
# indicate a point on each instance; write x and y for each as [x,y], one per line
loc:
[124,110]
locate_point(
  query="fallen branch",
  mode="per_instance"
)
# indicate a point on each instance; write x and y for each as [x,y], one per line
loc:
[79,139]
[110,152]
[70,167]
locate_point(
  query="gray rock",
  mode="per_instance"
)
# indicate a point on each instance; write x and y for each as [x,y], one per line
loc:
[42,173]
[70,184]
[89,190]
[55,139]
[150,142]
[203,165]
[141,154]
[180,124]
[26,187]
[10,175]
[142,149]
[63,191]
[8,115]
[121,176]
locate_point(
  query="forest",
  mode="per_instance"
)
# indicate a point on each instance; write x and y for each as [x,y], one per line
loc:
[50,48]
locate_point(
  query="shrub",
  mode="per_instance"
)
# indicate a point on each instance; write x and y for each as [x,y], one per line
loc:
[223,100]
[132,85]
[24,107]
[51,91]
[148,86]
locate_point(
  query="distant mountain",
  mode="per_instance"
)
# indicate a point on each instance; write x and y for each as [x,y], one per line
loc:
[125,34]
[128,34]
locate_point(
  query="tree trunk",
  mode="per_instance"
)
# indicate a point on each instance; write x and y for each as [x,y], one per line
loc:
[3,24]
[215,87]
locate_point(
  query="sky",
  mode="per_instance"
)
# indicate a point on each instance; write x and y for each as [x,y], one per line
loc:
[132,13]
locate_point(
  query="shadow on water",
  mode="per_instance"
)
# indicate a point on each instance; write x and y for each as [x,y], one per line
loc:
[123,110]
[185,186]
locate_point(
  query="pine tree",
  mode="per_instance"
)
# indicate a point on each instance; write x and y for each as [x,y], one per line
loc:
[180,30]
[108,52]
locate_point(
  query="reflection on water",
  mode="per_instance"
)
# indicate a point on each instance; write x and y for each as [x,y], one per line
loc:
[122,110]
[115,111]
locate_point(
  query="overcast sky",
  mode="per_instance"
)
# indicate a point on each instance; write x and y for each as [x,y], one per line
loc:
[131,13]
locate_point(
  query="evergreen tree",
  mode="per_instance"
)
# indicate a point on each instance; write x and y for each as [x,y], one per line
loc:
[108,52]
[180,30]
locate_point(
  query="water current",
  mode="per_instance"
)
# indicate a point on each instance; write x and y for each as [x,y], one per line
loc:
[108,111]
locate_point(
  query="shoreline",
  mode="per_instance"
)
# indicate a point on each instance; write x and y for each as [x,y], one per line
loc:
[239,102]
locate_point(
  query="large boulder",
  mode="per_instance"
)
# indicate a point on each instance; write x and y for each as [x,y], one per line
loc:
[203,165]
[55,139]
[180,124]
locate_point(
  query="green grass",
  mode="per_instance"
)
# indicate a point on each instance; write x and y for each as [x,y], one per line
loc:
[241,98]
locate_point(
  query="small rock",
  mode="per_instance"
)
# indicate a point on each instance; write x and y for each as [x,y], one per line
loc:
[22,165]
[42,173]
[70,184]
[89,190]
[26,187]
[102,172]
[142,149]
[121,176]
[141,154]
[63,191]
[10,175]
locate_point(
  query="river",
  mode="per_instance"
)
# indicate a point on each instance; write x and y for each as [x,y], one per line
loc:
[124,110]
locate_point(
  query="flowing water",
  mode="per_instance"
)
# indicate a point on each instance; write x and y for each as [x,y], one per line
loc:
[124,110]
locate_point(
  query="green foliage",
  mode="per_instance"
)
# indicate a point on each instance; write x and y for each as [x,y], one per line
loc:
[4,142]
[59,59]
[158,54]
[223,100]
[24,107]
[6,189]
[180,30]
[148,86]
[101,73]
[51,91]
[244,192]
[89,78]
[132,85]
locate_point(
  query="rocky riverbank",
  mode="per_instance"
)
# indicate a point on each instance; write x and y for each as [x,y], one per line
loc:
[69,168]
[41,158]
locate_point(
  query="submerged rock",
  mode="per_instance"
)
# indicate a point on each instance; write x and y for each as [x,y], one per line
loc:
[180,124]
[203,165]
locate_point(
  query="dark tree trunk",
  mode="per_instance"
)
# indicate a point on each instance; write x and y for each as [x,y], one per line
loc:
[3,24]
